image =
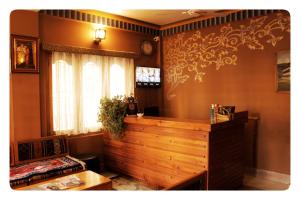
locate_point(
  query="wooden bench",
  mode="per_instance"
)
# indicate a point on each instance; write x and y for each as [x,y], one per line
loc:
[40,159]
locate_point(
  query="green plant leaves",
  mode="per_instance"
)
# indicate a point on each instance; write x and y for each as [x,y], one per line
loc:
[111,115]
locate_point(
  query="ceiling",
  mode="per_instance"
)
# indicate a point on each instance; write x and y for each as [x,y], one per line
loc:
[165,17]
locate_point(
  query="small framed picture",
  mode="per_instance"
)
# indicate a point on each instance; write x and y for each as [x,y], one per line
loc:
[24,54]
[283,71]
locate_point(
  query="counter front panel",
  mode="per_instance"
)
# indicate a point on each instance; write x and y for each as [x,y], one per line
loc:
[161,151]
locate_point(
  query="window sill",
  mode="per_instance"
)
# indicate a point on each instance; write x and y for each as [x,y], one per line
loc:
[89,134]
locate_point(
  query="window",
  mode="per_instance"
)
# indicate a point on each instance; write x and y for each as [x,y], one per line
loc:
[91,94]
[117,86]
[79,82]
[63,96]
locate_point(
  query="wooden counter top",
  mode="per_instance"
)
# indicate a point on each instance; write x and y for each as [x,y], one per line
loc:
[196,125]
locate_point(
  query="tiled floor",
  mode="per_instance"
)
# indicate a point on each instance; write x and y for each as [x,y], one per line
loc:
[253,183]
[121,182]
[128,183]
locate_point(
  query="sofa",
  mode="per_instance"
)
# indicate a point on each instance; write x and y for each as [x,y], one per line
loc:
[36,160]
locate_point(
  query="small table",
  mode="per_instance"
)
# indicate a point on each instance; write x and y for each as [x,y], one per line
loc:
[92,181]
[91,160]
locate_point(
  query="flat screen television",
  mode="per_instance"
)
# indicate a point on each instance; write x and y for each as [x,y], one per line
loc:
[147,76]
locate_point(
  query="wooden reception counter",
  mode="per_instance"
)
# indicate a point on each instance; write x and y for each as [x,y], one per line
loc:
[161,151]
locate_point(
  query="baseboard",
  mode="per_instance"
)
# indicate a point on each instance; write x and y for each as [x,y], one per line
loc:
[269,175]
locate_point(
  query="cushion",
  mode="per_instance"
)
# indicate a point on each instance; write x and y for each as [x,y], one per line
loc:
[42,148]
[38,170]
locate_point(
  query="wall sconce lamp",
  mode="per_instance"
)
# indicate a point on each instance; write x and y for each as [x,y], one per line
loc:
[99,35]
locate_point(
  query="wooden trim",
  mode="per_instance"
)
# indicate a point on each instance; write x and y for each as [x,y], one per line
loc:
[81,50]
[11,155]
[39,139]
[50,99]
[84,135]
[16,155]
[46,94]
[189,181]
[197,125]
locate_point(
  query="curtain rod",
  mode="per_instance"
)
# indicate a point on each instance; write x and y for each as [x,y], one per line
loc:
[82,50]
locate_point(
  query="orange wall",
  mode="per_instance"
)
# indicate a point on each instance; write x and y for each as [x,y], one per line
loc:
[25,102]
[249,85]
[25,88]
[81,34]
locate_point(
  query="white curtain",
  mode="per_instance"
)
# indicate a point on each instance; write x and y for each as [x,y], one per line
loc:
[79,81]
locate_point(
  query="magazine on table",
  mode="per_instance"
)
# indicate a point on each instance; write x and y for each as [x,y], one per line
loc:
[62,183]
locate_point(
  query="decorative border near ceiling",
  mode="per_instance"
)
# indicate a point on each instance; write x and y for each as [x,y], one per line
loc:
[87,17]
[192,54]
[110,22]
[236,16]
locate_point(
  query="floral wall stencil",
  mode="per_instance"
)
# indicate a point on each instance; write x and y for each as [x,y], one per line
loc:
[186,56]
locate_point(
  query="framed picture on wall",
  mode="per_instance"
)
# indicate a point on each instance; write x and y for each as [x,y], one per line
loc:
[283,71]
[24,54]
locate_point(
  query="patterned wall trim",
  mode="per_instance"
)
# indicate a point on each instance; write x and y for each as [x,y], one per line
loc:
[87,17]
[237,16]
[110,22]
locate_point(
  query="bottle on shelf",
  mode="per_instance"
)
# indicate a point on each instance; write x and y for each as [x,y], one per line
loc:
[213,113]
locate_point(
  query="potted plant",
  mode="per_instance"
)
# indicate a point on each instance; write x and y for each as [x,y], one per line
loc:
[111,115]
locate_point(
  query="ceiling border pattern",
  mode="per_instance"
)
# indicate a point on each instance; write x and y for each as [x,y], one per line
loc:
[122,24]
[109,22]
[236,16]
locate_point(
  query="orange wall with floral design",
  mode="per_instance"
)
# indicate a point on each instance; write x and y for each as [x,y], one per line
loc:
[249,85]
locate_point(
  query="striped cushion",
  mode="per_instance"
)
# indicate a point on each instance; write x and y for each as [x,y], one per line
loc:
[42,148]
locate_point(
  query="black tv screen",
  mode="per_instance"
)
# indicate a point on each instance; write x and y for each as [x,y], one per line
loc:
[147,76]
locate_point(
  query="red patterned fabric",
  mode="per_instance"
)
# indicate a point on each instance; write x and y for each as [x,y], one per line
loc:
[37,170]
